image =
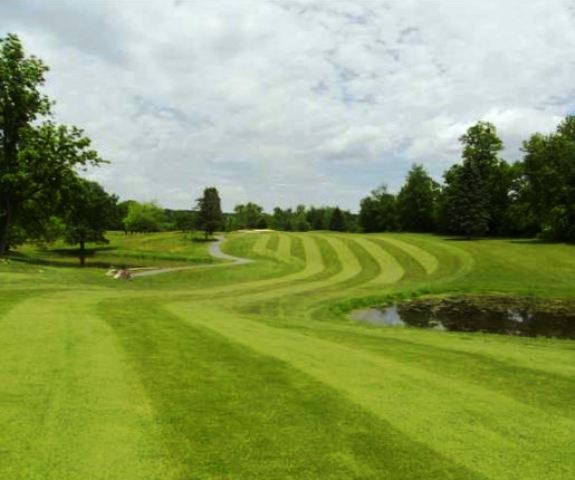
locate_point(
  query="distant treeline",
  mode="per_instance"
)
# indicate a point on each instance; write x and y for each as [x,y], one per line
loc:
[143,217]
[484,194]
[300,219]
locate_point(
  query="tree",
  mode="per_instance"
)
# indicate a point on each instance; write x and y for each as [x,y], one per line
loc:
[416,201]
[282,219]
[470,212]
[209,208]
[143,217]
[446,203]
[475,198]
[249,215]
[36,159]
[378,212]
[87,213]
[337,222]
[119,214]
[549,171]
[316,217]
[184,220]
[299,219]
[481,145]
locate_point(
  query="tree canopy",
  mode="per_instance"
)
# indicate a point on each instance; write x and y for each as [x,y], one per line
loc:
[484,194]
[143,217]
[378,212]
[210,217]
[416,200]
[86,214]
[37,157]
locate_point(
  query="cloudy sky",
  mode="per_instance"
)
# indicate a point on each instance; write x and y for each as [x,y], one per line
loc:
[294,101]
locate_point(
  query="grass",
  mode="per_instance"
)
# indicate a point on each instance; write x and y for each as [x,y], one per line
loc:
[257,372]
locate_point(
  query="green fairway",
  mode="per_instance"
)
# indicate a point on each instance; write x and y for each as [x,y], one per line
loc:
[256,371]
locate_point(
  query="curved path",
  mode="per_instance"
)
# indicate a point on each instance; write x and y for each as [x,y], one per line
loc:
[214,250]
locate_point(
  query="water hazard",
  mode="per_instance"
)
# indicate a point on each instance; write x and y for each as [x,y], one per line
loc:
[493,314]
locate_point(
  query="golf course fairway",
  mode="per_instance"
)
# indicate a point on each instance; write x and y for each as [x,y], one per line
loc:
[255,370]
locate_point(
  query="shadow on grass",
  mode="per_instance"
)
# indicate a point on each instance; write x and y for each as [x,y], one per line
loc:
[463,239]
[518,241]
[536,241]
[74,251]
[21,258]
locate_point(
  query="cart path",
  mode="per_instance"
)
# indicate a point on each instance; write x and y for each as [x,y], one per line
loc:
[214,250]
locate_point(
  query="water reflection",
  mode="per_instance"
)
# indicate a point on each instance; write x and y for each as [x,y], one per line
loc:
[503,315]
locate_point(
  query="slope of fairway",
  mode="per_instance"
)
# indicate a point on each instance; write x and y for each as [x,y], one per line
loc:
[257,372]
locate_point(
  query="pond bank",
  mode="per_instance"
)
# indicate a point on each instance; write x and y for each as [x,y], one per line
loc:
[489,314]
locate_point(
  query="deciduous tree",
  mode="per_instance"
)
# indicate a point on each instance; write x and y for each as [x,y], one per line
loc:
[378,212]
[87,212]
[36,159]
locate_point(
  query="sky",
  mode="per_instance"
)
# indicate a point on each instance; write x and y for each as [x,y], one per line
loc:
[284,102]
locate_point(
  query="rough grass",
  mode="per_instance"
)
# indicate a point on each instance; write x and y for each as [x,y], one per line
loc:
[256,371]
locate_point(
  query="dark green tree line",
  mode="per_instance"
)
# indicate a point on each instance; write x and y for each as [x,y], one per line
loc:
[485,195]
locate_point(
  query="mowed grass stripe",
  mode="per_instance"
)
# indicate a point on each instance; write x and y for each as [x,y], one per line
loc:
[278,247]
[454,262]
[279,304]
[313,266]
[70,406]
[554,392]
[273,242]
[330,259]
[545,355]
[428,261]
[462,422]
[261,244]
[15,296]
[391,270]
[230,412]
[347,262]
[284,248]
[350,265]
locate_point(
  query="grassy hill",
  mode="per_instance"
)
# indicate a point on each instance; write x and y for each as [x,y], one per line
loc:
[257,372]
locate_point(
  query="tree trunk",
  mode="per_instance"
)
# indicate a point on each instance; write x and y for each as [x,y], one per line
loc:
[5,224]
[82,254]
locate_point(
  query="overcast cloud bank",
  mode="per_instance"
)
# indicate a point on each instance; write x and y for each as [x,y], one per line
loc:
[289,101]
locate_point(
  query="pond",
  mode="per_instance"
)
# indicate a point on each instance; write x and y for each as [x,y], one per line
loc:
[489,314]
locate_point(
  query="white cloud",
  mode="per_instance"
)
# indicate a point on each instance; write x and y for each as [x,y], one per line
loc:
[285,101]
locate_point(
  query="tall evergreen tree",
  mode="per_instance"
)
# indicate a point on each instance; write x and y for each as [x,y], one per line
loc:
[446,203]
[337,222]
[210,217]
[316,218]
[416,201]
[470,212]
[481,145]
[299,220]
